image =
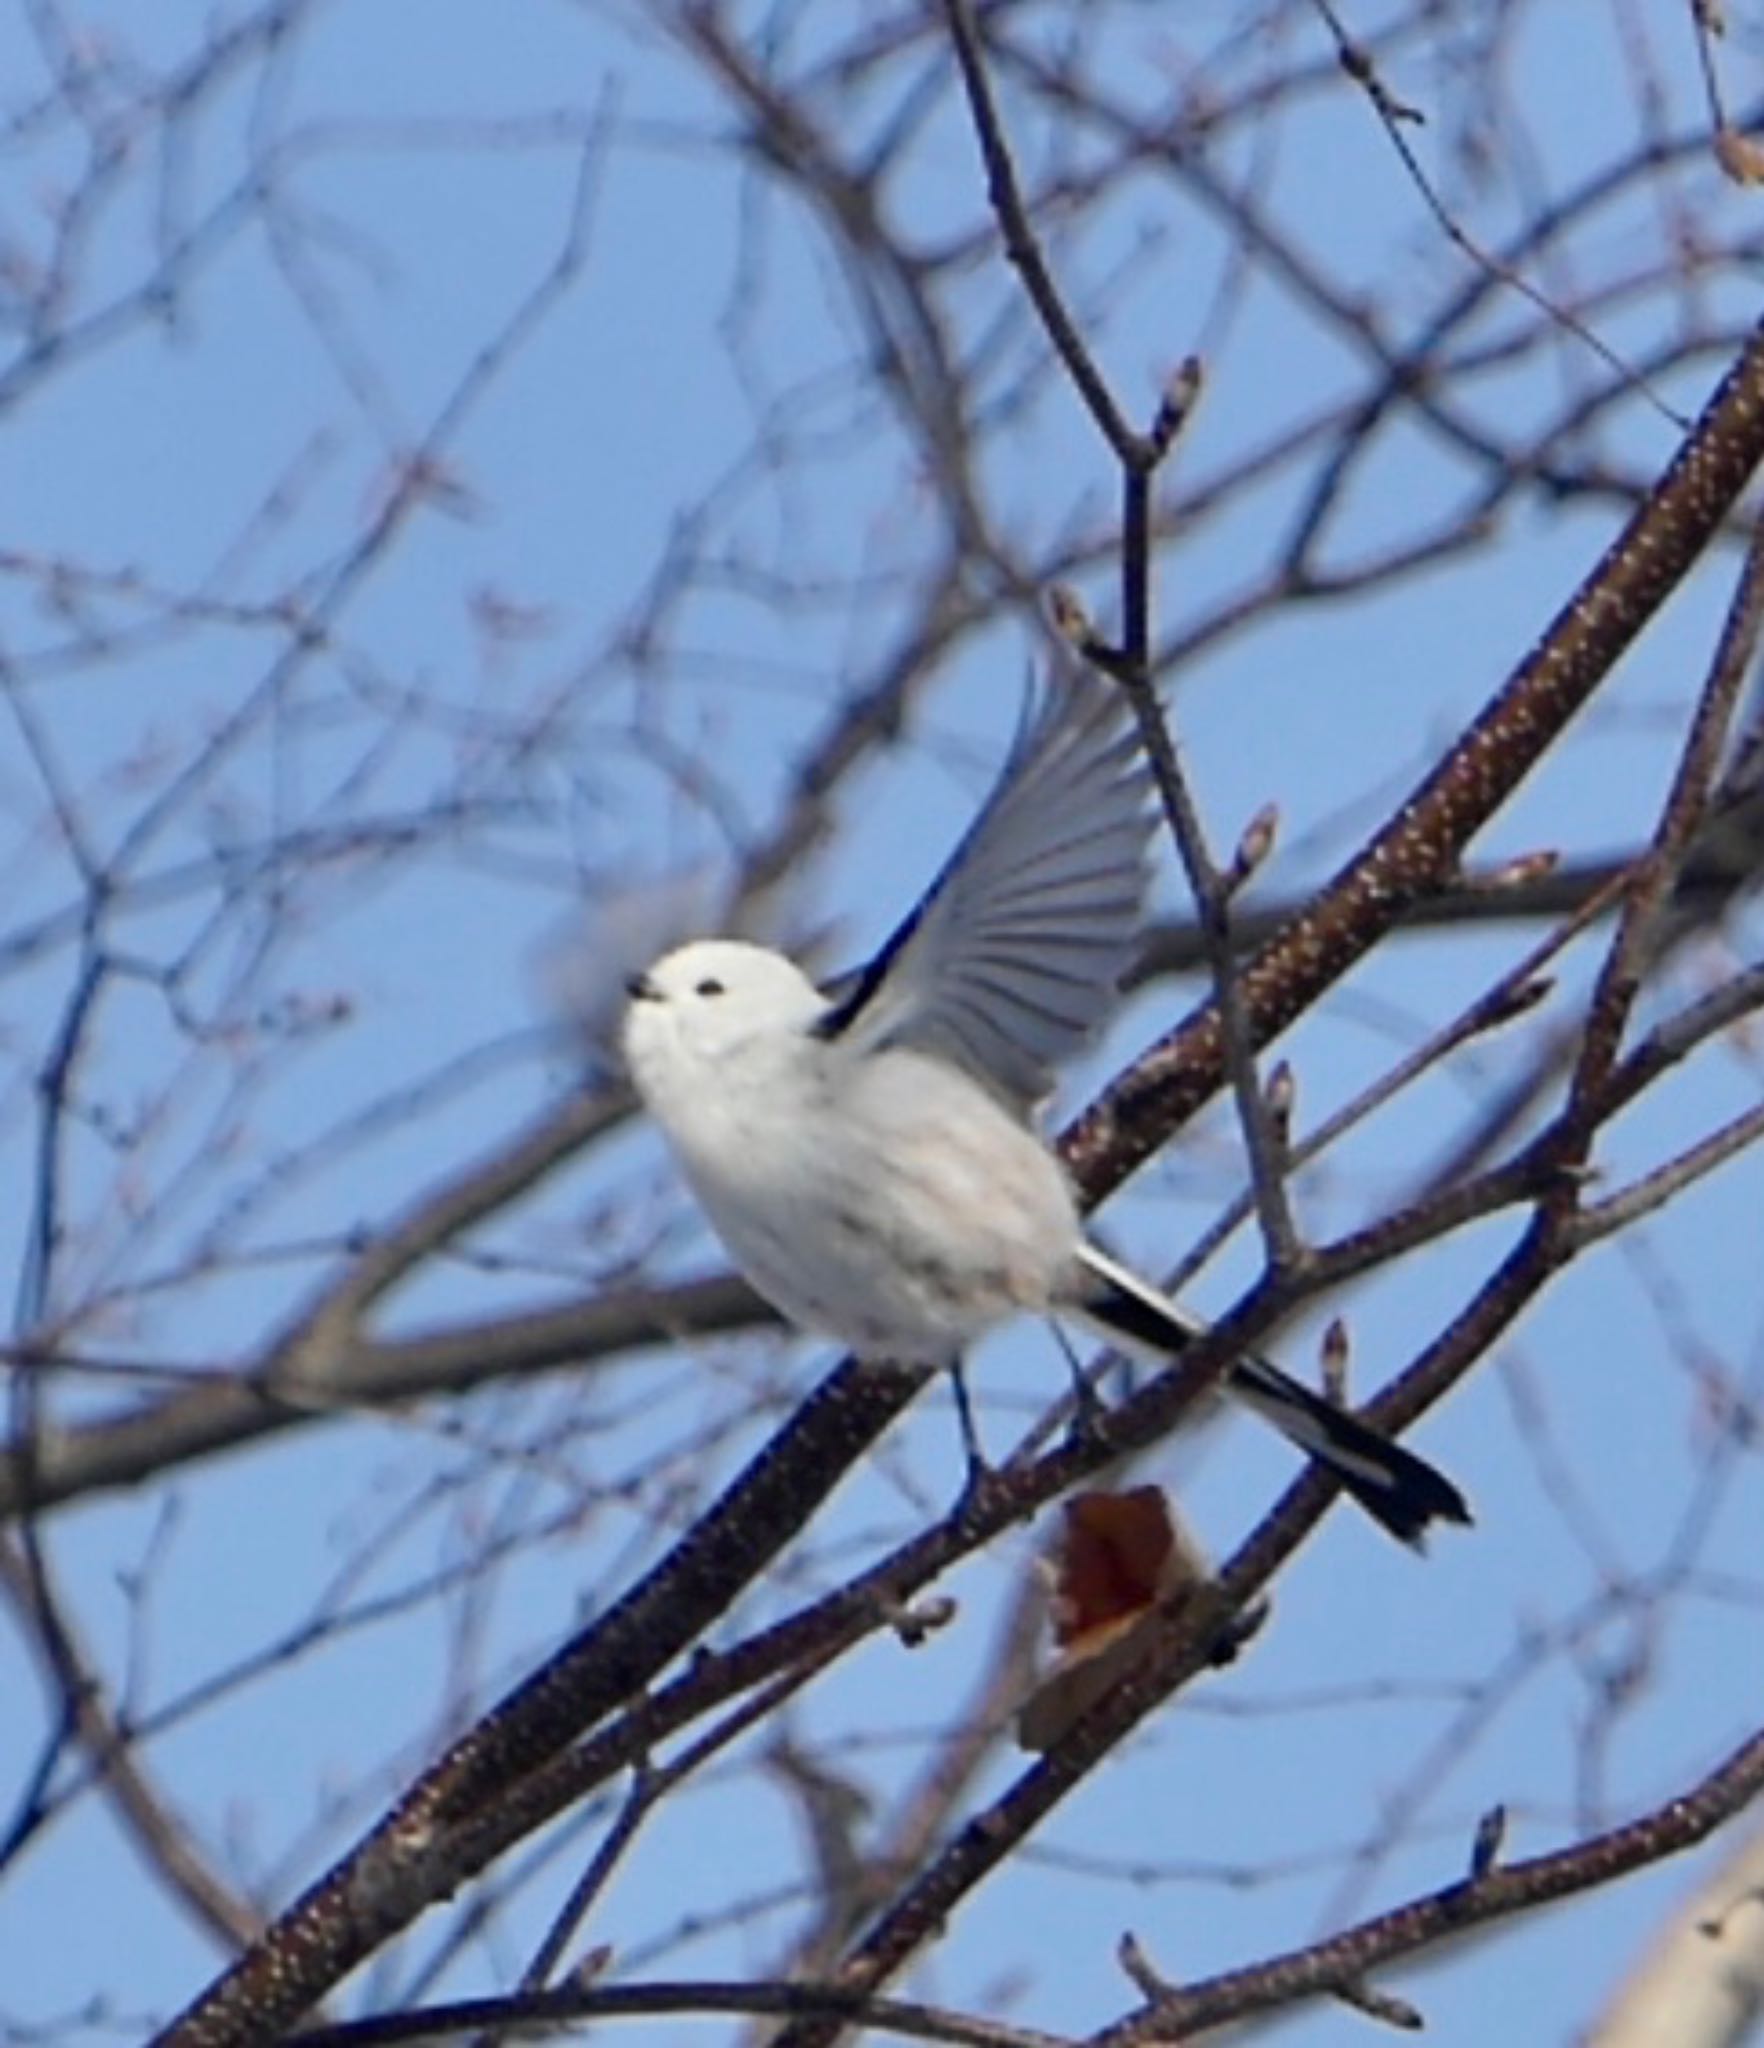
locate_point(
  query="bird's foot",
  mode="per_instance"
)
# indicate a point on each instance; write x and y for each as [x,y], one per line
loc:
[977,1482]
[1085,1431]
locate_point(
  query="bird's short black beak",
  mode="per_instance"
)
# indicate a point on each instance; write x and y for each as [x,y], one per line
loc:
[640,988]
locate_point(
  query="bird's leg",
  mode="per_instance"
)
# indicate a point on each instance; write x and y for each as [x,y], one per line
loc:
[978,1469]
[1088,1406]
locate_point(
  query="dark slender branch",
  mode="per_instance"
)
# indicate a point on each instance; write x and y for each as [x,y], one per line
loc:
[1024,249]
[549,2011]
[1344,1959]
[1634,943]
[1418,850]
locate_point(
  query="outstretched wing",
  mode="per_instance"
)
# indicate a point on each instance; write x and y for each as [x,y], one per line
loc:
[1013,955]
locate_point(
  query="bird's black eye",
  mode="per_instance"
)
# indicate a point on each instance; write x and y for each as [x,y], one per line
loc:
[710,986]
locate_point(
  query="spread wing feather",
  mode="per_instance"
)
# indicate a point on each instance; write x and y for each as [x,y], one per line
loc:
[1014,954]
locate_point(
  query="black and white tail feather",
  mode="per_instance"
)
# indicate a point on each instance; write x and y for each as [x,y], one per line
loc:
[1398,1489]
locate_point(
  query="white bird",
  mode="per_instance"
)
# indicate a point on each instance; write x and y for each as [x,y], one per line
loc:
[868,1155]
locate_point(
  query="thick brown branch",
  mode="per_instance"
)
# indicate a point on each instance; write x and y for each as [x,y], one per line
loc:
[1421,847]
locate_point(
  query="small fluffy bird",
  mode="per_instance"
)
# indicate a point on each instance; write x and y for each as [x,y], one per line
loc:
[868,1154]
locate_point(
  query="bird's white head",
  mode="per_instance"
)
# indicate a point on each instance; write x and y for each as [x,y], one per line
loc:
[708,1004]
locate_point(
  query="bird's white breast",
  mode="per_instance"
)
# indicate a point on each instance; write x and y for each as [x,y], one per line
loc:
[886,1201]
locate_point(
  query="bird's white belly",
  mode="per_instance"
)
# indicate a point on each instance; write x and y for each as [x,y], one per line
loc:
[904,1224]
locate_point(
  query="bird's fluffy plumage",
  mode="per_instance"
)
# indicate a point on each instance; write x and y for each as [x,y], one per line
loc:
[869,1161]
[879,1198]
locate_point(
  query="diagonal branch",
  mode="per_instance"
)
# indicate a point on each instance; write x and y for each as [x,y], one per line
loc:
[1342,1960]
[1418,851]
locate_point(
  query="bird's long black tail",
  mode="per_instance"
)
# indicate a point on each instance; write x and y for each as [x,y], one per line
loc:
[1395,1487]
